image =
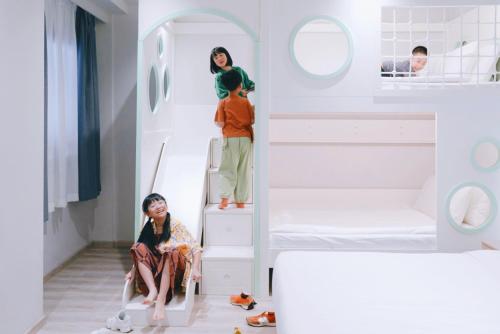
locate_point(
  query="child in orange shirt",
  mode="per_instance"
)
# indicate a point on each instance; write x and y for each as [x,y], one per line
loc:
[235,115]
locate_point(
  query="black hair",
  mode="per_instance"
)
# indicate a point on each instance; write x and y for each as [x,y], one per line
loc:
[154,197]
[147,236]
[419,49]
[231,79]
[219,49]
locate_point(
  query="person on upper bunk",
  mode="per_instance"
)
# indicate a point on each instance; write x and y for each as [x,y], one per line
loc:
[163,256]
[235,115]
[404,68]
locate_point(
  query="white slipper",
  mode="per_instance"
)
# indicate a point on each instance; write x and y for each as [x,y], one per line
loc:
[121,322]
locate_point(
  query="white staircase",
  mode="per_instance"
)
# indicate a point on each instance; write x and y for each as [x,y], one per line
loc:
[181,179]
[228,256]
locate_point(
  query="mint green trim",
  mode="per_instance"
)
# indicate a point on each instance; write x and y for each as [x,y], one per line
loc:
[496,166]
[343,27]
[257,171]
[138,142]
[194,11]
[253,35]
[489,220]
[157,88]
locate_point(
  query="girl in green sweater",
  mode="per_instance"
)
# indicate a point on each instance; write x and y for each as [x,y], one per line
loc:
[221,62]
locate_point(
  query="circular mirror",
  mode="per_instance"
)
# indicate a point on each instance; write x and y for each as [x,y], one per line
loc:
[470,207]
[153,88]
[166,83]
[486,155]
[321,47]
[160,45]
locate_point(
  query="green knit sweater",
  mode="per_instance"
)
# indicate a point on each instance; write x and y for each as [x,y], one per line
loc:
[222,91]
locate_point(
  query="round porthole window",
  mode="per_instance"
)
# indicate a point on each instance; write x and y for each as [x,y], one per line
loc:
[485,155]
[153,91]
[471,207]
[321,47]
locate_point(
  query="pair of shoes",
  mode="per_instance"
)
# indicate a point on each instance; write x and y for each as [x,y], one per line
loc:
[243,300]
[224,202]
[121,322]
[265,319]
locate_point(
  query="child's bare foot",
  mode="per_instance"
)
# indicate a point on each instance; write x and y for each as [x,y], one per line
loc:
[240,205]
[150,299]
[159,313]
[224,202]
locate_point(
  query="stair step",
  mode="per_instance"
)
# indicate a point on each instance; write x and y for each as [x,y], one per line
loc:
[227,270]
[241,253]
[228,227]
[213,209]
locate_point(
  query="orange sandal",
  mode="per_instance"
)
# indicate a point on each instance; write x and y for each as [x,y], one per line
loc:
[243,300]
[265,319]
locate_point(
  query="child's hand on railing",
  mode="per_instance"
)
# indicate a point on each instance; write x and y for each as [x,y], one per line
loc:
[196,275]
[130,275]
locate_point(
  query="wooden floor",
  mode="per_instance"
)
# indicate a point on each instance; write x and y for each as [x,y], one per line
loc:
[87,291]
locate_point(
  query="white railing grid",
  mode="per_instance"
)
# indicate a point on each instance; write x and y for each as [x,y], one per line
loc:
[403,32]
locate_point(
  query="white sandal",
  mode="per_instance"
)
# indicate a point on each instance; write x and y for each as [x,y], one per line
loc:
[120,323]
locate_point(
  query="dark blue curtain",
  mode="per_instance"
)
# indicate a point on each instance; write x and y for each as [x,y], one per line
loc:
[89,178]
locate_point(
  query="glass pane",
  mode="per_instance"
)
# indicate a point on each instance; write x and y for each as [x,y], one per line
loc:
[486,14]
[470,14]
[487,31]
[403,15]
[321,47]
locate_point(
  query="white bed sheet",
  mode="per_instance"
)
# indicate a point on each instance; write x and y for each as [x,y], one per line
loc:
[397,229]
[387,293]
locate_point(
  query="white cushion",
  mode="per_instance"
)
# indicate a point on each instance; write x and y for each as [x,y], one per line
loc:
[469,58]
[479,208]
[486,65]
[459,204]
[426,200]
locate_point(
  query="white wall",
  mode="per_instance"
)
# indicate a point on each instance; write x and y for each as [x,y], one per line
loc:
[65,233]
[117,57]
[21,177]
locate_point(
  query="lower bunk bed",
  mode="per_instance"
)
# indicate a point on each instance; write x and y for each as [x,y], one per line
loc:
[350,230]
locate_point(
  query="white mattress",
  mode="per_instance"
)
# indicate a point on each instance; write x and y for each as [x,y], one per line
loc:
[387,293]
[398,229]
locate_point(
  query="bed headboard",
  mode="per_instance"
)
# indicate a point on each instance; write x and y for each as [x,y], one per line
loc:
[351,150]
[317,198]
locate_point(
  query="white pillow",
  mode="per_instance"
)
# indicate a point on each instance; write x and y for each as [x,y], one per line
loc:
[459,204]
[426,200]
[486,63]
[479,209]
[469,59]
